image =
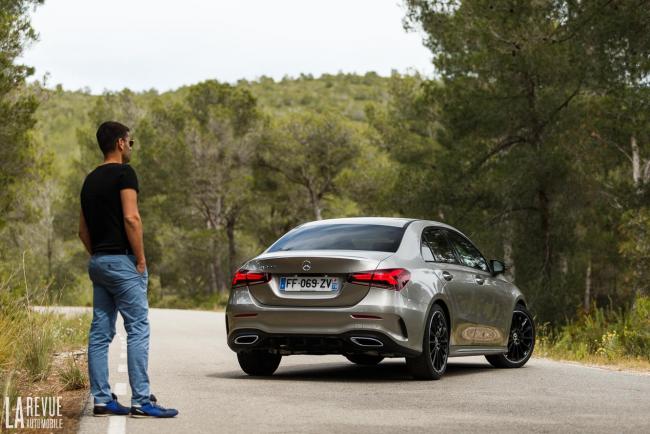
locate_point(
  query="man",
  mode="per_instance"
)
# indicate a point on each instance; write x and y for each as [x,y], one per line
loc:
[111,230]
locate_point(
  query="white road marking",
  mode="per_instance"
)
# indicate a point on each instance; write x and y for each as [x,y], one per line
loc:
[120,389]
[116,425]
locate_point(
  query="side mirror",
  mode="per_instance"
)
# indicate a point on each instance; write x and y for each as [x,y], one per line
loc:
[498,267]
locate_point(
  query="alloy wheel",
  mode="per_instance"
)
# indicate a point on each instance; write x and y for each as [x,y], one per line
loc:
[521,338]
[438,341]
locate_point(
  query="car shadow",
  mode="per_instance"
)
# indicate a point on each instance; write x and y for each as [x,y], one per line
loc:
[386,371]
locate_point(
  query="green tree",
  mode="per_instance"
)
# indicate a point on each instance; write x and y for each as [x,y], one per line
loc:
[621,127]
[17,107]
[406,127]
[310,150]
[199,156]
[511,72]
[222,148]
[279,208]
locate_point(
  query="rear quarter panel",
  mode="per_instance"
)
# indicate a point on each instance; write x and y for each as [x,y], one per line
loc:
[425,286]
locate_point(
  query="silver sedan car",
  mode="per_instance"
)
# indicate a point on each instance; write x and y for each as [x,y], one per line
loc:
[369,288]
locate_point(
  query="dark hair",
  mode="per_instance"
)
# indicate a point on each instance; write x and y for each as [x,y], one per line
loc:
[108,133]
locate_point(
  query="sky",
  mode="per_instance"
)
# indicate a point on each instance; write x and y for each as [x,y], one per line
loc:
[144,44]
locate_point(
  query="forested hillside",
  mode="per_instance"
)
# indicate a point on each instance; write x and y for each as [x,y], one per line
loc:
[65,150]
[61,113]
[534,139]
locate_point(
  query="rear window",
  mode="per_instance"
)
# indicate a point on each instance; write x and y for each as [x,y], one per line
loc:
[379,238]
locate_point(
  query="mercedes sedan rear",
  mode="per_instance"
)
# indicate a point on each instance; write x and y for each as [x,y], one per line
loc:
[371,288]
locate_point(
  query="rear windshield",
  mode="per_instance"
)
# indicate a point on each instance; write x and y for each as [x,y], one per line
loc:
[377,238]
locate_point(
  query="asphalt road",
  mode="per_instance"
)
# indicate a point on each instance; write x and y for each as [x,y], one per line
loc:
[192,369]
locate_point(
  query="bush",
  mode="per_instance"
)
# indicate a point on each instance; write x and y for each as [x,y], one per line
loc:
[609,335]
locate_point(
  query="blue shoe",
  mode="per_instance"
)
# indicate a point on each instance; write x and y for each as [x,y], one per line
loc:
[111,408]
[152,410]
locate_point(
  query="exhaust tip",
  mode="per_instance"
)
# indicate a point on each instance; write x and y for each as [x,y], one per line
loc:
[246,339]
[367,342]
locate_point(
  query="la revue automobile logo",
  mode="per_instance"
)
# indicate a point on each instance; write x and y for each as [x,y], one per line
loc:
[32,412]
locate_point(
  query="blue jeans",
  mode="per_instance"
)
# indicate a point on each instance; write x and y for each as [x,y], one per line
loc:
[118,286]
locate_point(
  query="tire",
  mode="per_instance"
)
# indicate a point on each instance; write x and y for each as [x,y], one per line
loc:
[432,363]
[258,363]
[521,341]
[364,359]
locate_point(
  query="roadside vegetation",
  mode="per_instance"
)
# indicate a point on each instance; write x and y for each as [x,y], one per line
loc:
[603,336]
[41,352]
[210,302]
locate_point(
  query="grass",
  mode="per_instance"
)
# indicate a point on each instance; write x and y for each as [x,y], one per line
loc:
[212,302]
[602,337]
[37,348]
[71,376]
[30,339]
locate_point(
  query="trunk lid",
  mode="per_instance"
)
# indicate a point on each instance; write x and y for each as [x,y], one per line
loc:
[309,264]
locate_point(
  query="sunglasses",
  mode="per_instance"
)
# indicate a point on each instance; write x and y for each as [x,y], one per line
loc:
[131,142]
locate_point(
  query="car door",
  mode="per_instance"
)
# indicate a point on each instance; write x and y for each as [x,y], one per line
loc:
[441,257]
[489,298]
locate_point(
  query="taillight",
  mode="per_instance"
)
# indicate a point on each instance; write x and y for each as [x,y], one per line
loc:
[394,278]
[245,277]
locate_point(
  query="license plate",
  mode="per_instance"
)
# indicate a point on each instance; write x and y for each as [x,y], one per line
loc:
[301,283]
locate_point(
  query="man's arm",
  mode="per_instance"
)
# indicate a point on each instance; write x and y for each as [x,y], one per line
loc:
[133,225]
[84,234]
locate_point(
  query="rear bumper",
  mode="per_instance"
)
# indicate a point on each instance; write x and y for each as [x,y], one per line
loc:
[327,330]
[353,342]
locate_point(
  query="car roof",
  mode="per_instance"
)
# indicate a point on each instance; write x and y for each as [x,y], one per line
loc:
[386,221]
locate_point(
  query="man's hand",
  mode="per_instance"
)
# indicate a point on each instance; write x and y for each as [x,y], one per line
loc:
[141,267]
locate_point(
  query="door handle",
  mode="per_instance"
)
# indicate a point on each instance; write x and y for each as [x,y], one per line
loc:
[479,279]
[447,276]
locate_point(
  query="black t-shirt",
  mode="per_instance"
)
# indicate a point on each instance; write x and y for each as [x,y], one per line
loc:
[102,206]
